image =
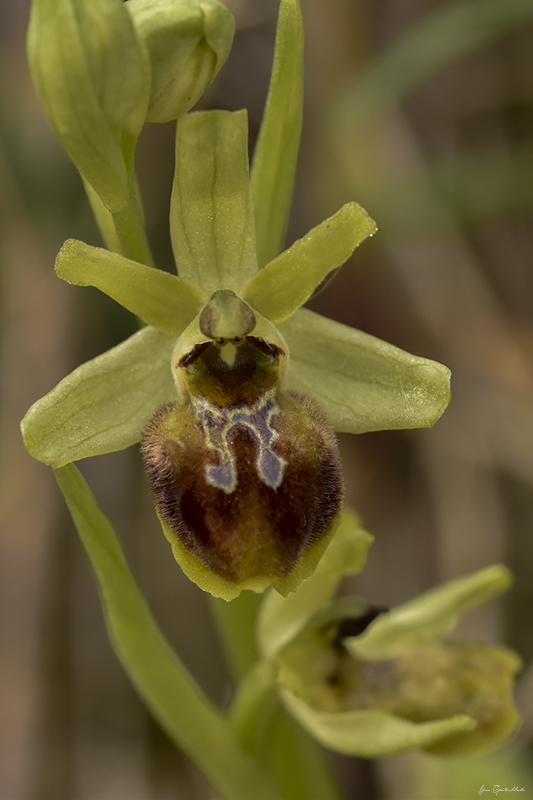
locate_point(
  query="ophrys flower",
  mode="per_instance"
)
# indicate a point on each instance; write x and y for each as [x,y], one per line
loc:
[228,345]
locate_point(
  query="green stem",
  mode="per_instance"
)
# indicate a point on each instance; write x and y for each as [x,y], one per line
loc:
[129,221]
[299,764]
[172,695]
[296,761]
[235,623]
[253,709]
[131,229]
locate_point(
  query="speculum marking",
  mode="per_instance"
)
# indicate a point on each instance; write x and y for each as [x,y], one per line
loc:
[257,418]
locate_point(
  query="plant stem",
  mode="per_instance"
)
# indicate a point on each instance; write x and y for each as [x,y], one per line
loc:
[265,729]
[131,229]
[235,623]
[172,695]
[129,221]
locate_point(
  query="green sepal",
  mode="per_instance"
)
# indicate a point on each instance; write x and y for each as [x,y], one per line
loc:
[104,405]
[276,151]
[282,618]
[92,76]
[362,383]
[278,290]
[164,301]
[371,734]
[432,615]
[211,215]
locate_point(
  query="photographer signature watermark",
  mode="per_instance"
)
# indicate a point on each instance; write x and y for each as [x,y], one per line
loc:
[496,789]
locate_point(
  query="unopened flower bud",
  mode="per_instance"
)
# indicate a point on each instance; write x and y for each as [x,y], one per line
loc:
[187,41]
[425,683]
[93,79]
[247,478]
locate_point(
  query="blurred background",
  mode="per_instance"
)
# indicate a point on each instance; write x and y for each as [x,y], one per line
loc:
[420,110]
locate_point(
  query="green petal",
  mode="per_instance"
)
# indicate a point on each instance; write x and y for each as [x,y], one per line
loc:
[430,616]
[211,215]
[282,618]
[103,405]
[162,300]
[276,151]
[371,734]
[362,383]
[288,281]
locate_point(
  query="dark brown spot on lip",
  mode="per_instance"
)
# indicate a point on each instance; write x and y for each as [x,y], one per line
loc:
[194,354]
[256,530]
[255,369]
[268,348]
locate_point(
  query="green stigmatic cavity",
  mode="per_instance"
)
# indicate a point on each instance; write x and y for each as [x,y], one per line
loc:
[247,478]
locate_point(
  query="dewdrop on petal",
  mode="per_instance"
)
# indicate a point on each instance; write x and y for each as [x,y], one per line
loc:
[247,478]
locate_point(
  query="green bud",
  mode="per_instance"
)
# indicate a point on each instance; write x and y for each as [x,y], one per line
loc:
[246,477]
[188,41]
[450,698]
[92,76]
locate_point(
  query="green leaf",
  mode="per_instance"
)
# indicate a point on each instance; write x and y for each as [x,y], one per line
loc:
[282,618]
[165,301]
[276,151]
[362,383]
[430,616]
[170,692]
[105,403]
[278,290]
[372,734]
[211,215]
[92,77]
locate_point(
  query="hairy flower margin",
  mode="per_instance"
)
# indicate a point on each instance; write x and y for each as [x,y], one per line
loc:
[373,682]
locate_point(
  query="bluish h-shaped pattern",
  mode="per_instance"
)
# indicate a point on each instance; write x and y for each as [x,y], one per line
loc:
[217,424]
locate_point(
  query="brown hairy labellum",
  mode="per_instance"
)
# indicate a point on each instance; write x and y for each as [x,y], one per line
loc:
[247,478]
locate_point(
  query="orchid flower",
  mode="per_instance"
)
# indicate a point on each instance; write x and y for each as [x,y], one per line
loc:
[228,346]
